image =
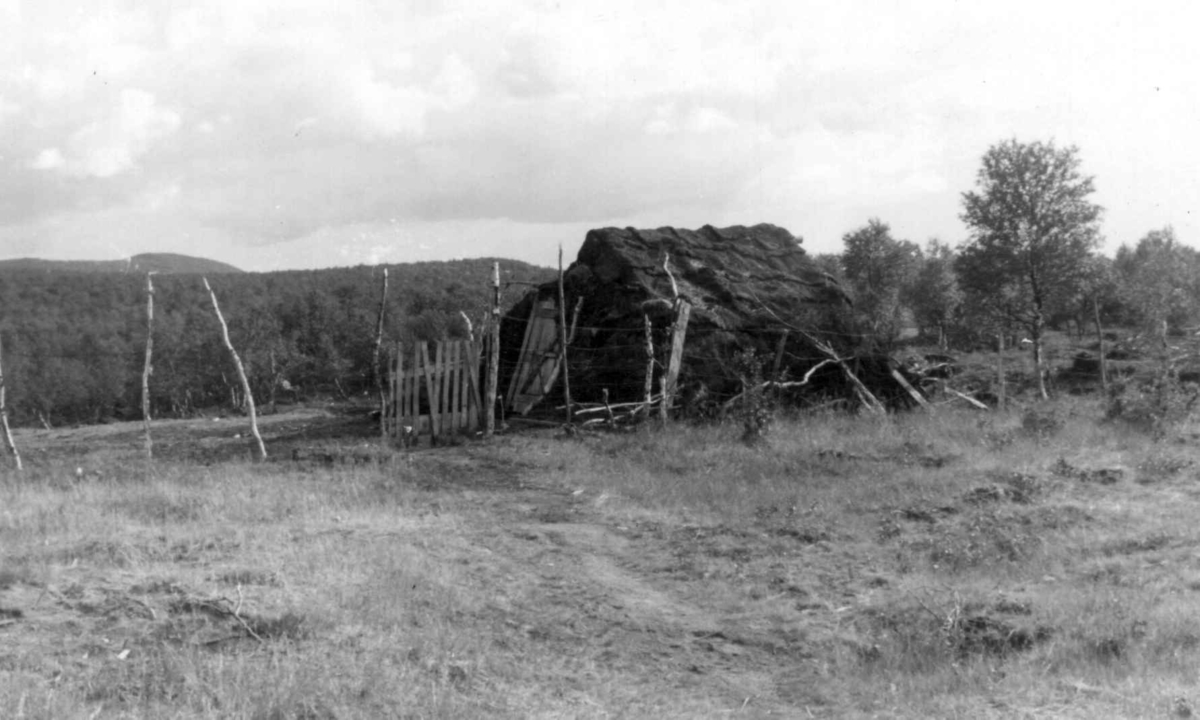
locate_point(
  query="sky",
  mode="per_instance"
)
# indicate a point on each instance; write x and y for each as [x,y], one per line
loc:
[311,133]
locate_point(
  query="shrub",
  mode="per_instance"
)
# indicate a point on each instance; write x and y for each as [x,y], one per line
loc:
[1156,407]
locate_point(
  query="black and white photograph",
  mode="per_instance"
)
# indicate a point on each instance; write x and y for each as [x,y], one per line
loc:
[599,359]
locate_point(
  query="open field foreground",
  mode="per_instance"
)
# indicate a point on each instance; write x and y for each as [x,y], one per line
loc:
[948,564]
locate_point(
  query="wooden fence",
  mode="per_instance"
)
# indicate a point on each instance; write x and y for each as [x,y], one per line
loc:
[436,396]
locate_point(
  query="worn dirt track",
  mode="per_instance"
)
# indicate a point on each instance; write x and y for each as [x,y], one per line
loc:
[642,594]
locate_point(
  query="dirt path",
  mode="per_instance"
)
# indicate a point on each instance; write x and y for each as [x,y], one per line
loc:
[636,598]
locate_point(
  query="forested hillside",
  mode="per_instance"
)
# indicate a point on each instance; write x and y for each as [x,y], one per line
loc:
[171,263]
[74,342]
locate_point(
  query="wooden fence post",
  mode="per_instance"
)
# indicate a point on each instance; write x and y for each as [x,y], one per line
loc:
[237,361]
[8,438]
[779,348]
[1100,345]
[649,386]
[683,311]
[147,368]
[377,365]
[1001,399]
[562,336]
[493,377]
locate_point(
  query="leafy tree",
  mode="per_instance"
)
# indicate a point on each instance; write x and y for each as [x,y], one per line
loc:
[1158,280]
[1033,228]
[878,268]
[934,295]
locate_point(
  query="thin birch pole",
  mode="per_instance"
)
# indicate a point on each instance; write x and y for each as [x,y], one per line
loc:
[1001,399]
[1100,346]
[377,366]
[147,368]
[8,438]
[562,335]
[649,385]
[237,361]
[493,378]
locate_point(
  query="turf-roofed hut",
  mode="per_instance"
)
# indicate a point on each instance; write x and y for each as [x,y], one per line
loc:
[750,289]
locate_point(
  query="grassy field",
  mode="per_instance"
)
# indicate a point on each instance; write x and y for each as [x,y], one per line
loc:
[1037,563]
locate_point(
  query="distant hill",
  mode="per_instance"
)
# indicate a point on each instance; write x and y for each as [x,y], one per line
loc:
[164,263]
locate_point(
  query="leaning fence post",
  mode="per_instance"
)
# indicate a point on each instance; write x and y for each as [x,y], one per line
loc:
[237,361]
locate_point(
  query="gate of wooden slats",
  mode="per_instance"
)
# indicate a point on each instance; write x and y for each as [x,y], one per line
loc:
[435,396]
[540,360]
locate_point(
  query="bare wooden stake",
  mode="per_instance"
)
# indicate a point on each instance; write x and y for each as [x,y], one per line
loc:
[377,364]
[8,437]
[778,366]
[649,386]
[1001,400]
[237,361]
[562,336]
[1100,346]
[147,368]
[493,377]
[683,310]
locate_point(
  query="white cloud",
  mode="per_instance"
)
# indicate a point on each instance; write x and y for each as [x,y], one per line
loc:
[160,197]
[708,120]
[113,145]
[48,159]
[514,115]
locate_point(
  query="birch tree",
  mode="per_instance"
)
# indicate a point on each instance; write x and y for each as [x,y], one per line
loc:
[1033,228]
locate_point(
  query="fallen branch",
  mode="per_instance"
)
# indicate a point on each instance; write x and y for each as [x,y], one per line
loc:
[670,276]
[869,401]
[912,391]
[968,398]
[594,408]
[775,384]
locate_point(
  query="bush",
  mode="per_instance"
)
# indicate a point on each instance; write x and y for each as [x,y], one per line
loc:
[1156,406]
[755,405]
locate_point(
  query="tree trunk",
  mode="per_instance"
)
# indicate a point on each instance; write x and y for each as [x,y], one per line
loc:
[274,382]
[1038,327]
